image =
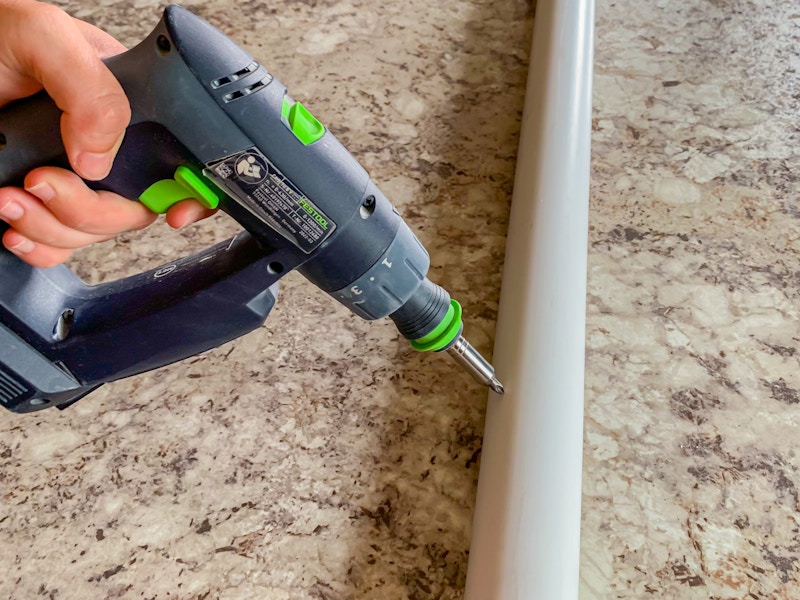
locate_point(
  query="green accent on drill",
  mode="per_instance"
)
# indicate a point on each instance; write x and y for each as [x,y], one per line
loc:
[302,123]
[204,194]
[287,104]
[444,333]
[161,195]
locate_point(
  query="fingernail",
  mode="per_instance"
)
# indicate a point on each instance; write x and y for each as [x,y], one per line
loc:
[11,211]
[94,166]
[24,246]
[43,191]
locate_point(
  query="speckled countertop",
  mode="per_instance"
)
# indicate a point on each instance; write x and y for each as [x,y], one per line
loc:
[691,470]
[319,457]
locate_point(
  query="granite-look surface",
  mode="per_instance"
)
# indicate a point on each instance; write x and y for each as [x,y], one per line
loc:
[692,471]
[318,457]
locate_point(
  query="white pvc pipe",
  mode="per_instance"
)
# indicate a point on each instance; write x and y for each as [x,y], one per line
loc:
[526,531]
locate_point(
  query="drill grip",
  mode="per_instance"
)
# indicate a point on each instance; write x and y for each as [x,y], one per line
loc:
[97,334]
[61,338]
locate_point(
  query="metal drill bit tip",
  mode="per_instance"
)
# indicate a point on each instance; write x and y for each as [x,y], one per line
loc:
[496,386]
[475,364]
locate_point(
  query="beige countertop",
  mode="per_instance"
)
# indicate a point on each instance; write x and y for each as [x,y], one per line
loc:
[692,403]
[319,456]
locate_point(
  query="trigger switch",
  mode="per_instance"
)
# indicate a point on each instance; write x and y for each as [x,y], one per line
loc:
[161,195]
[203,194]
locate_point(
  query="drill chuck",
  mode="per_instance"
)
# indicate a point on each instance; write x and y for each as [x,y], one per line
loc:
[423,311]
[432,322]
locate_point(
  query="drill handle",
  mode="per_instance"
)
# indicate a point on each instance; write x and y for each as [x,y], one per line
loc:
[97,334]
[59,337]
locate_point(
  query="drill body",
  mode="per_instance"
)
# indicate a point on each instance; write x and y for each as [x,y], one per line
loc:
[209,122]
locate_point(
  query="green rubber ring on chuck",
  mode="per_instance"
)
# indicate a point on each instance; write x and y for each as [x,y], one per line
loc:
[445,332]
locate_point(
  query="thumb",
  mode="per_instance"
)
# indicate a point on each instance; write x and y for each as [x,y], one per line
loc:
[95,108]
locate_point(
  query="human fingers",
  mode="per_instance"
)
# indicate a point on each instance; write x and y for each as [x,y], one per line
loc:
[78,207]
[187,212]
[37,255]
[29,217]
[104,44]
[95,108]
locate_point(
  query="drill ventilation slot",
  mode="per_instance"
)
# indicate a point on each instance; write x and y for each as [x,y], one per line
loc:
[247,91]
[218,83]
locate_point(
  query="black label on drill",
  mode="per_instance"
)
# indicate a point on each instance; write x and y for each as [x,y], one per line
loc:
[269,194]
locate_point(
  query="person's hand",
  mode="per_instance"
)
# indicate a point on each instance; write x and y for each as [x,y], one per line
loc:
[41,47]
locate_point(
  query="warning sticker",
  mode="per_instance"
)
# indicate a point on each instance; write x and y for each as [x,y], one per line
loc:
[262,188]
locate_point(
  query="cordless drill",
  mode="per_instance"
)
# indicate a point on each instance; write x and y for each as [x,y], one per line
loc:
[304,202]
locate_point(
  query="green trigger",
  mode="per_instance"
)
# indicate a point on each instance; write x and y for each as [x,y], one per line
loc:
[161,195]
